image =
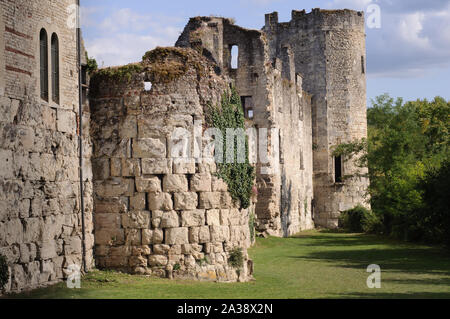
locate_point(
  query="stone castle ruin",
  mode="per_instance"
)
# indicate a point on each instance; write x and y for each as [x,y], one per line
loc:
[102,189]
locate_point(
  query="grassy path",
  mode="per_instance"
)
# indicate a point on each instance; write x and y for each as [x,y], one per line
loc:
[310,265]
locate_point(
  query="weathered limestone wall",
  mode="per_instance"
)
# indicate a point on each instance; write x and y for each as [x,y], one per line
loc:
[293,116]
[40,219]
[283,180]
[305,78]
[154,214]
[329,48]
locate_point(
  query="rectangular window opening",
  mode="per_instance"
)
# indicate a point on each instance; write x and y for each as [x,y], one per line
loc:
[84,74]
[247,106]
[84,85]
[302,165]
[234,57]
[338,169]
[363,68]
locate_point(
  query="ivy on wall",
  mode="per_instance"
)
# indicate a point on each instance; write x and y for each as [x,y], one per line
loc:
[238,176]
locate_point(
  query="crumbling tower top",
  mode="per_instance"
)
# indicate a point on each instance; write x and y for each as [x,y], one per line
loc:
[330,19]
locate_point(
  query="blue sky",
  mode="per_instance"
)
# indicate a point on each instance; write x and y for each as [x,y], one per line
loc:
[408,56]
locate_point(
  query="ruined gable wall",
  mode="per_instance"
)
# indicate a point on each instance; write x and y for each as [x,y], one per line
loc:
[154,215]
[40,219]
[277,101]
[254,77]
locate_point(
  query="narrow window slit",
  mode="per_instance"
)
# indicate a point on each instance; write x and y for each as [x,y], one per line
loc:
[363,68]
[338,169]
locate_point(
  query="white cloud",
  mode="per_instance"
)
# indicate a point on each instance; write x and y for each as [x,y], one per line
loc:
[410,28]
[124,48]
[414,36]
[124,36]
[349,4]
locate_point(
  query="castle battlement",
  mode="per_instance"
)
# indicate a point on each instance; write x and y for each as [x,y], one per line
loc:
[318,18]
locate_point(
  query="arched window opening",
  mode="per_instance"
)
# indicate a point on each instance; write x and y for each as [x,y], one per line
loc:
[55,68]
[43,45]
[234,57]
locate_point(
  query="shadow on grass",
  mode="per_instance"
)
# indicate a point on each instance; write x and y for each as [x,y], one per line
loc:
[351,240]
[385,295]
[437,282]
[363,250]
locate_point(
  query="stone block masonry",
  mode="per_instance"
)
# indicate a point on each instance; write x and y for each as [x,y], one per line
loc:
[273,99]
[153,214]
[146,212]
[329,50]
[40,216]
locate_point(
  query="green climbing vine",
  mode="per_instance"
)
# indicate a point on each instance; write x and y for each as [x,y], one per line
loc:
[238,176]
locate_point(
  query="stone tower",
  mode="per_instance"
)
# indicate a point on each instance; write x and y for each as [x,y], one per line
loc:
[329,51]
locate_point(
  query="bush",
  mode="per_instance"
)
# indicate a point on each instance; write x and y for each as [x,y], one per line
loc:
[359,220]
[236,258]
[4,272]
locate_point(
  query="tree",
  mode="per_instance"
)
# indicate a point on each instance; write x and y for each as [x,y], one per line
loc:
[407,144]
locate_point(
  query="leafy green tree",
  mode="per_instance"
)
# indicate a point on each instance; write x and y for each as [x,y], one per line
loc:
[407,144]
[434,217]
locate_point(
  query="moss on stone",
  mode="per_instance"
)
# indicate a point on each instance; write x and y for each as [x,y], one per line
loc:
[122,73]
[167,64]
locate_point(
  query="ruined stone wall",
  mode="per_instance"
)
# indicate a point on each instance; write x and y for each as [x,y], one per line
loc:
[291,167]
[305,78]
[155,214]
[294,117]
[277,103]
[329,50]
[40,219]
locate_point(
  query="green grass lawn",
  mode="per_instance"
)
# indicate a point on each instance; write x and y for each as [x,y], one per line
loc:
[310,265]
